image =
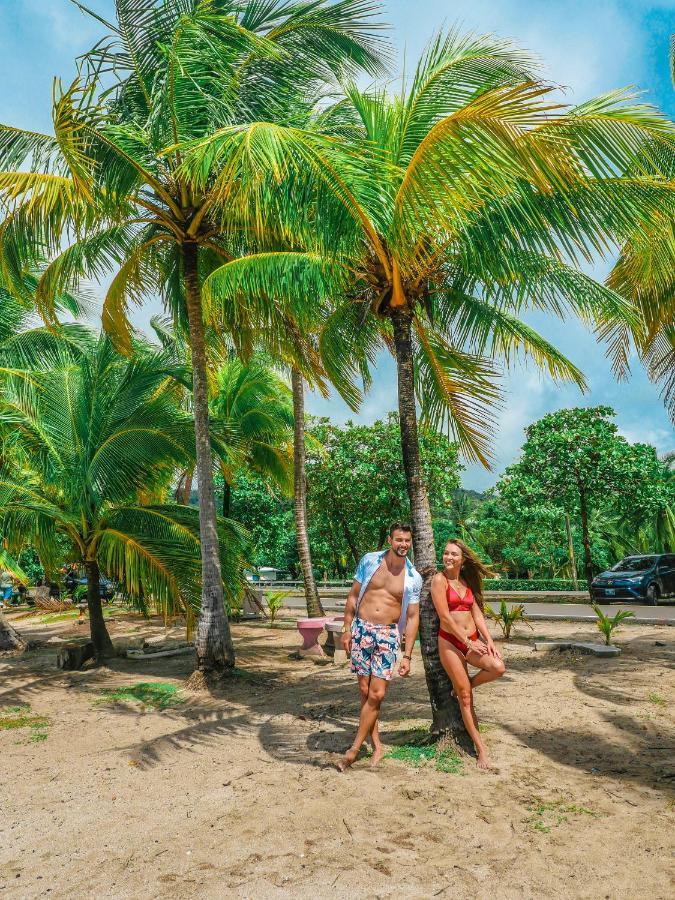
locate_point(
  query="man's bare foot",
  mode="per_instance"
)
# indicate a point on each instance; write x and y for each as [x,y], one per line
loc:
[376,756]
[483,762]
[347,760]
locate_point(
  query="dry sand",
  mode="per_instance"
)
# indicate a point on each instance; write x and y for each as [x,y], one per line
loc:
[236,794]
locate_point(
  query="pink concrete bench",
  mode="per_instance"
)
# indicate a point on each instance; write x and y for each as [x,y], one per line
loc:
[310,631]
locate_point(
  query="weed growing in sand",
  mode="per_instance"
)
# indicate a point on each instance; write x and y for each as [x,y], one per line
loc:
[507,617]
[550,814]
[419,751]
[17,717]
[607,625]
[657,699]
[275,602]
[156,695]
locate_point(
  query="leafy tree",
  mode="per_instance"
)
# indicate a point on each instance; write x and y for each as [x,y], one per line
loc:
[357,483]
[96,444]
[521,538]
[251,405]
[267,515]
[113,175]
[575,459]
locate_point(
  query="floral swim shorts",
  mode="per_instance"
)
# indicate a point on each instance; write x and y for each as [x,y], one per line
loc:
[374,648]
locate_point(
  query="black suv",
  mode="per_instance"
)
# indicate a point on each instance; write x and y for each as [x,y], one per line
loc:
[645,578]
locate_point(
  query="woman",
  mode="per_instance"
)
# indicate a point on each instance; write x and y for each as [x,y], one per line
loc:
[457,593]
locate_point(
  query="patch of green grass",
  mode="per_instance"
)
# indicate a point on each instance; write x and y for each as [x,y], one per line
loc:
[17,717]
[156,694]
[64,616]
[449,761]
[420,750]
[550,814]
[657,699]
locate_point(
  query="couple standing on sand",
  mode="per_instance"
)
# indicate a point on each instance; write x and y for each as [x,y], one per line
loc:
[383,604]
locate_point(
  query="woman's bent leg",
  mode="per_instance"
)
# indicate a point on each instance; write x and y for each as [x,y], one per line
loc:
[491,667]
[453,663]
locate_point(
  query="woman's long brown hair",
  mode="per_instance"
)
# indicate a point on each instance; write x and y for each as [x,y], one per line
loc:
[473,571]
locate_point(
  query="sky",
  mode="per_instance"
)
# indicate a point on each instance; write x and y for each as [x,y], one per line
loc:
[587,48]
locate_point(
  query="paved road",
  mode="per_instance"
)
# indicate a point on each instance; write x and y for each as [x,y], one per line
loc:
[575,612]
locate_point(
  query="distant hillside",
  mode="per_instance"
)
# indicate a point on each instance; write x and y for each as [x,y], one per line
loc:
[474,496]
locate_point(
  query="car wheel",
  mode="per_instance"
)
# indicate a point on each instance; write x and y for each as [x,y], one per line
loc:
[652,595]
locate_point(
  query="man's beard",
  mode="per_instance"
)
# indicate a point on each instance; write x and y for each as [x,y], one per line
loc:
[401,551]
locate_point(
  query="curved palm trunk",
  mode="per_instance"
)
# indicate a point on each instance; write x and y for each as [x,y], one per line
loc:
[213,642]
[10,639]
[314,607]
[103,646]
[445,711]
[184,488]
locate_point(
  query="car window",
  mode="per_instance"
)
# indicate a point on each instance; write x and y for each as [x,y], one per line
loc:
[635,564]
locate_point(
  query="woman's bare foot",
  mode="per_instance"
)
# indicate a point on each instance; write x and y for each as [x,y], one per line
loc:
[377,754]
[483,761]
[347,760]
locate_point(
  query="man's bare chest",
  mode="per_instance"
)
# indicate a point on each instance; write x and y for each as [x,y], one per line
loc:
[386,582]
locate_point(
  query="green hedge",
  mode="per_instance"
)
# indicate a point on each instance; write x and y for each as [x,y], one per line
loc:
[530,584]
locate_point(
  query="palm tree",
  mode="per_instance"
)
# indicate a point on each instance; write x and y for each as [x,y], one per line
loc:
[112,176]
[91,439]
[312,599]
[645,273]
[483,197]
[252,406]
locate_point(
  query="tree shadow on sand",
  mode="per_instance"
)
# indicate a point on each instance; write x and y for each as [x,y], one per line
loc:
[308,718]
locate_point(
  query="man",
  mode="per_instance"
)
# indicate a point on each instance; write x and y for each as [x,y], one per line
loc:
[383,603]
[6,587]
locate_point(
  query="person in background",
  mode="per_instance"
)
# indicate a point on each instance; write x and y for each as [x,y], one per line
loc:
[6,587]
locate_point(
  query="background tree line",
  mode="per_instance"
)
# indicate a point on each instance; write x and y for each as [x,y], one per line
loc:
[356,487]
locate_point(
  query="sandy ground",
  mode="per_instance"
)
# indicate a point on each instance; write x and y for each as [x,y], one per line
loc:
[236,794]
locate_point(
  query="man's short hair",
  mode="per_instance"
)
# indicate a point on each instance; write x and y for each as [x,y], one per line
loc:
[399,526]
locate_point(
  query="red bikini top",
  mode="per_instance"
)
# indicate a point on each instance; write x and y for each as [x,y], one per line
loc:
[457,603]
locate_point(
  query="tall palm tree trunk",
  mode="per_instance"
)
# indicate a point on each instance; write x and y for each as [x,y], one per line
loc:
[103,646]
[213,642]
[588,562]
[314,607]
[446,715]
[10,639]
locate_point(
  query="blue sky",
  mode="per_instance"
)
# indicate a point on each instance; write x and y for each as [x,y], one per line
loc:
[587,47]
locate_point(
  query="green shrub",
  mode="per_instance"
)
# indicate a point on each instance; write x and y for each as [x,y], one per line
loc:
[528,584]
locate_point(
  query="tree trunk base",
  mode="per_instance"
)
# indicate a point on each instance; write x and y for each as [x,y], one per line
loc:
[72,658]
[448,725]
[10,639]
[207,680]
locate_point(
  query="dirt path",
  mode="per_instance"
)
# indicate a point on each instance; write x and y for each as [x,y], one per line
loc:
[236,795]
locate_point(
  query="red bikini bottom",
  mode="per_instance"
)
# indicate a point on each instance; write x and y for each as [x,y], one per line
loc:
[462,647]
